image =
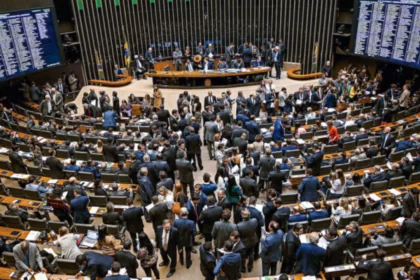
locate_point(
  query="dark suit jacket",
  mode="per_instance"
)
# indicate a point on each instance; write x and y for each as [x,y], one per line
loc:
[249,186]
[376,269]
[210,216]
[308,189]
[276,179]
[163,116]
[292,244]
[97,261]
[335,251]
[372,152]
[247,230]
[241,144]
[207,263]
[410,229]
[79,210]
[314,162]
[265,166]
[268,210]
[193,144]
[224,203]
[253,128]
[354,240]
[110,153]
[390,142]
[56,168]
[271,247]
[187,231]
[158,213]
[185,169]
[409,205]
[112,218]
[173,239]
[310,257]
[129,261]
[18,166]
[374,178]
[132,218]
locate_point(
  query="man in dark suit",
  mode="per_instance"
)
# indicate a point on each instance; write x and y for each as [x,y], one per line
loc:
[362,135]
[265,166]
[247,230]
[270,249]
[115,273]
[110,152]
[223,200]
[79,208]
[410,229]
[387,142]
[254,105]
[18,166]
[253,128]
[301,99]
[185,169]
[379,105]
[318,213]
[158,213]
[375,177]
[276,179]
[186,231]
[111,217]
[310,256]
[337,245]
[163,115]
[146,190]
[378,269]
[241,142]
[207,261]
[315,160]
[248,184]
[94,264]
[132,216]
[210,216]
[372,150]
[193,210]
[230,263]
[209,99]
[277,60]
[269,208]
[354,236]
[238,131]
[410,202]
[55,166]
[309,187]
[70,186]
[193,144]
[291,246]
[167,240]
[127,259]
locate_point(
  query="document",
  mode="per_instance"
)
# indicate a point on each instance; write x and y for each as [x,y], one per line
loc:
[33,235]
[374,197]
[394,192]
[52,181]
[93,210]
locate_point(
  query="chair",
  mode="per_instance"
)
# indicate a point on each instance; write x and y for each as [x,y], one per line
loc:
[115,231]
[5,164]
[306,136]
[122,158]
[349,146]
[321,132]
[73,138]
[124,179]
[98,200]
[378,160]
[346,219]
[414,178]
[319,225]
[343,166]
[45,151]
[367,124]
[267,139]
[289,198]
[13,222]
[6,143]
[15,192]
[91,140]
[394,248]
[9,258]
[396,182]
[414,248]
[366,110]
[24,147]
[355,112]
[63,154]
[352,128]
[341,130]
[70,173]
[34,170]
[370,217]
[46,134]
[118,200]
[377,122]
[378,186]
[69,267]
[60,136]
[33,195]
[37,224]
[363,142]
[3,190]
[83,228]
[56,225]
[371,251]
[81,155]
[325,170]
[277,154]
[305,225]
[362,163]
[298,171]
[86,176]
[125,141]
[394,213]
[145,129]
[109,177]
[292,153]
[396,156]
[47,172]
[330,149]
[97,157]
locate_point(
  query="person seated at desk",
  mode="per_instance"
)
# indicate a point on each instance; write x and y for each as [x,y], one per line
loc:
[107,242]
[208,65]
[188,66]
[222,64]
[403,144]
[362,135]
[115,192]
[72,166]
[379,240]
[288,146]
[257,63]
[318,213]
[92,167]
[117,71]
[14,210]
[341,160]
[237,63]
[27,257]
[377,269]
[375,177]
[284,164]
[33,186]
[358,155]
[296,216]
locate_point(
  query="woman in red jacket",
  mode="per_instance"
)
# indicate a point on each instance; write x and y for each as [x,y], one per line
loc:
[332,130]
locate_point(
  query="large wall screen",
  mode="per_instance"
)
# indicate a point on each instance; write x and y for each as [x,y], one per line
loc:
[28,42]
[389,29]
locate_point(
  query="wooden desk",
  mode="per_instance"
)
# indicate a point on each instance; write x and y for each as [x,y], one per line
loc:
[5,272]
[25,203]
[415,261]
[10,233]
[198,79]
[369,229]
[64,277]
[32,105]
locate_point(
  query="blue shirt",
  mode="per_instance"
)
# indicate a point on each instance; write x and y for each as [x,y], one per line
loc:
[109,119]
[35,187]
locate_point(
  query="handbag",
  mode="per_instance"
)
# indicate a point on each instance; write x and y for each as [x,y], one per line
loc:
[176,208]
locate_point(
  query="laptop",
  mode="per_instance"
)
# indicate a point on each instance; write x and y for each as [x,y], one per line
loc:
[90,239]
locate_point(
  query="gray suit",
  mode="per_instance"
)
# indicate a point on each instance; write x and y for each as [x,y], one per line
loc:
[265,165]
[221,232]
[59,101]
[186,176]
[210,129]
[177,56]
[229,53]
[35,261]
[68,247]
[43,108]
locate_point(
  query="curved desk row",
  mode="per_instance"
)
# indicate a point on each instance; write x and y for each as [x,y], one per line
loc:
[197,79]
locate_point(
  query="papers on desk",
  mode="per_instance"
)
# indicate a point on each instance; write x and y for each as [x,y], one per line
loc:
[331,110]
[300,141]
[84,183]
[306,205]
[401,121]
[373,98]
[323,243]
[303,238]
[26,275]
[324,124]
[400,220]
[51,251]
[410,157]
[374,197]
[52,181]
[298,102]
[308,278]
[389,165]
[18,176]
[43,140]
[4,151]
[394,192]
[64,195]
[93,210]
[33,235]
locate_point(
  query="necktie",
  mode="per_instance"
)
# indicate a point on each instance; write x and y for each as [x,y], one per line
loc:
[386,138]
[165,241]
[196,213]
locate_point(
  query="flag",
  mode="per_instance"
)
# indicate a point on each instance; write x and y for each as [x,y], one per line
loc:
[134,2]
[126,52]
[100,67]
[152,1]
[80,4]
[98,4]
[117,2]
[315,58]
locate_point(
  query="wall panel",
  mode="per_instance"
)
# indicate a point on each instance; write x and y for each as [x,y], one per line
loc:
[160,23]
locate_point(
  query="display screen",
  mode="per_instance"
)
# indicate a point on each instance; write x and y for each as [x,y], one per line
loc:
[389,29]
[28,42]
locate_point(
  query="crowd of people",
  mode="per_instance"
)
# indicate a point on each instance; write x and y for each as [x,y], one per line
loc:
[224,209]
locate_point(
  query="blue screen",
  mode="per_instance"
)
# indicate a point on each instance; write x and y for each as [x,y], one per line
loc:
[389,29]
[28,42]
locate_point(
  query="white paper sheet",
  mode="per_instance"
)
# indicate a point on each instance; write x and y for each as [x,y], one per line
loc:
[93,210]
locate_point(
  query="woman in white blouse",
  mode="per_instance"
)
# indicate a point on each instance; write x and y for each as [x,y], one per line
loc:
[337,185]
[344,208]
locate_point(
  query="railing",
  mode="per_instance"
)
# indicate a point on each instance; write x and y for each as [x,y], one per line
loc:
[293,74]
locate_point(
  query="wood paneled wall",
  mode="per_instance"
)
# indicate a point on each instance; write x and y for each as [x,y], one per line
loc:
[165,23]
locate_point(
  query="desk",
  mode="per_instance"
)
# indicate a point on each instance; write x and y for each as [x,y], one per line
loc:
[64,277]
[392,224]
[416,260]
[197,79]
[5,272]
[25,203]
[7,232]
